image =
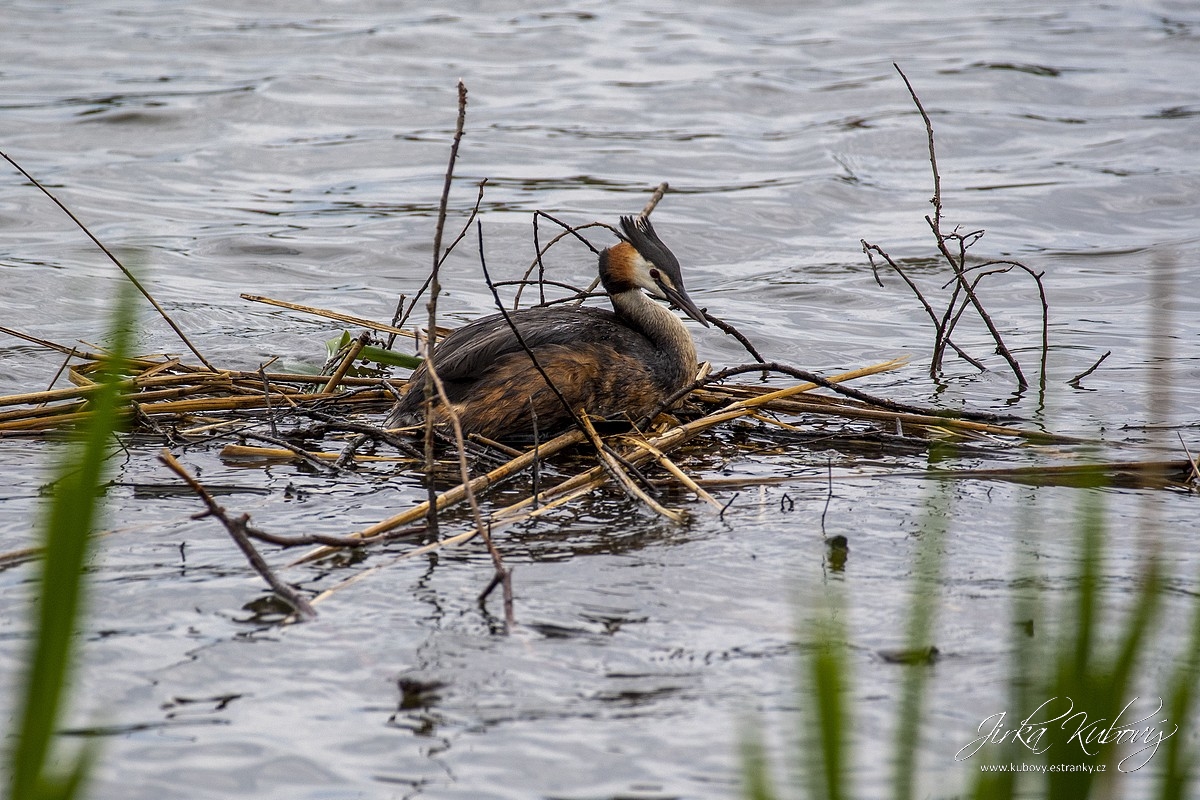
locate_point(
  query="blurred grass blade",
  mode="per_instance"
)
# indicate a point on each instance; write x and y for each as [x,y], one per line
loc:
[756,778]
[828,748]
[1180,759]
[921,620]
[68,524]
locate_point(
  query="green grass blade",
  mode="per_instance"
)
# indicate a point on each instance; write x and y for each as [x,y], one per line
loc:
[68,525]
[829,685]
[1179,758]
[921,620]
[756,777]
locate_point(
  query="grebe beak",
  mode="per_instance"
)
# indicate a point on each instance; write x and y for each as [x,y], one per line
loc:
[680,299]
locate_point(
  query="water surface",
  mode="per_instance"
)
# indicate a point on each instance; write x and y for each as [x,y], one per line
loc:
[298,151]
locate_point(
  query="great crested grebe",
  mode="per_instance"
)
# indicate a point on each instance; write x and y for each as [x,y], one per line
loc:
[612,364]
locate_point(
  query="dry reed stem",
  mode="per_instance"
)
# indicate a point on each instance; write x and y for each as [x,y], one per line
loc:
[670,466]
[361,322]
[347,362]
[235,452]
[48,418]
[1194,468]
[458,493]
[49,345]
[615,469]
[450,541]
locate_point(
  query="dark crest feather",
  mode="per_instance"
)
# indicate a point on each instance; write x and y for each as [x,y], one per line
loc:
[640,233]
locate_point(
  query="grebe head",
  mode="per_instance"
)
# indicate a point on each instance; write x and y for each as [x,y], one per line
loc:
[642,261]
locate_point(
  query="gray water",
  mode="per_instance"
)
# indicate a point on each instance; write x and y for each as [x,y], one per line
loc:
[298,151]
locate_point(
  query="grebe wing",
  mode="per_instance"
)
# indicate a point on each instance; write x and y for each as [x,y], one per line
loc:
[470,350]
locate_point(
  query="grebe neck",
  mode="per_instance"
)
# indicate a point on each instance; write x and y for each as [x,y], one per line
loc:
[665,330]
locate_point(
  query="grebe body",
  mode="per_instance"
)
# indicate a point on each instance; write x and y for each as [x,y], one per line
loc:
[611,364]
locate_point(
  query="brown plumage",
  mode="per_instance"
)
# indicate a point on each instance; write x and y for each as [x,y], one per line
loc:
[611,364]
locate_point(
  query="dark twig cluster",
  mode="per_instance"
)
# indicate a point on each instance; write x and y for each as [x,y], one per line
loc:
[953,248]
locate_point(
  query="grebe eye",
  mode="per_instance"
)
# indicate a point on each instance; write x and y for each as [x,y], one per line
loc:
[654,274]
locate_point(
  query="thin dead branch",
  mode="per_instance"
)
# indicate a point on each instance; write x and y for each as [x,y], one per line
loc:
[502,576]
[239,531]
[124,270]
[434,290]
[1075,381]
[520,338]
[957,261]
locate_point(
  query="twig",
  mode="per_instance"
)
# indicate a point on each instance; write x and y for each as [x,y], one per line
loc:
[334,423]
[62,368]
[1037,279]
[462,233]
[726,507]
[434,291]
[136,283]
[502,576]
[544,282]
[935,224]
[648,209]
[828,494]
[941,338]
[541,251]
[826,383]
[936,200]
[237,529]
[391,340]
[1195,468]
[1075,381]
[537,464]
[346,458]
[973,298]
[517,333]
[735,333]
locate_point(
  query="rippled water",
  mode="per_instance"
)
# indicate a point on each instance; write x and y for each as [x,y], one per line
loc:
[298,150]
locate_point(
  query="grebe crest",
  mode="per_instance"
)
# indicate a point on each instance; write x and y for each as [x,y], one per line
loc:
[610,364]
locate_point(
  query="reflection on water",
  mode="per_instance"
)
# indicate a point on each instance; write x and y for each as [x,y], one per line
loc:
[298,152]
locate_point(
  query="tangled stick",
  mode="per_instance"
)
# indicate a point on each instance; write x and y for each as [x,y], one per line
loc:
[953,249]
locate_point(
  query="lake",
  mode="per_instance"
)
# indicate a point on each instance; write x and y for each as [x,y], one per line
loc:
[298,150]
